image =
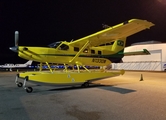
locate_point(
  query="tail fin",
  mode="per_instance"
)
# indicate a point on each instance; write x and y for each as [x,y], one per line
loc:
[119,45]
[29,62]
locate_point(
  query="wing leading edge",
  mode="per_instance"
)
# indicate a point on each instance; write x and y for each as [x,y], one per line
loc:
[116,32]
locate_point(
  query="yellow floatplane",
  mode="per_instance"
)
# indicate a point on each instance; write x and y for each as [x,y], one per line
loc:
[98,49]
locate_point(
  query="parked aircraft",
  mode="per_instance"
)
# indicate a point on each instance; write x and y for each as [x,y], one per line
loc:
[10,66]
[98,49]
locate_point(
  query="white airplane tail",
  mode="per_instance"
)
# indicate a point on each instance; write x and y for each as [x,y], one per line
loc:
[29,62]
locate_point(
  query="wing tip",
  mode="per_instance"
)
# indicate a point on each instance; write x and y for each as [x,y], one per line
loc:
[145,22]
[146,52]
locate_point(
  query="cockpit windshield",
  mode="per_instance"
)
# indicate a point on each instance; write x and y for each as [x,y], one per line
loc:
[55,44]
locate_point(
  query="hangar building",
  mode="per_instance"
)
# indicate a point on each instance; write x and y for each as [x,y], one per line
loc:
[156,61]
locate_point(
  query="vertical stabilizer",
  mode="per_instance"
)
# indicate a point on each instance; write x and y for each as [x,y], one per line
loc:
[29,62]
[119,45]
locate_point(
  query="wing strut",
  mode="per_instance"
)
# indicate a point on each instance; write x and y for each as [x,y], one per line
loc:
[49,67]
[41,64]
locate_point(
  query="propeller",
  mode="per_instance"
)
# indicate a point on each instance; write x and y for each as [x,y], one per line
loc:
[15,48]
[16,38]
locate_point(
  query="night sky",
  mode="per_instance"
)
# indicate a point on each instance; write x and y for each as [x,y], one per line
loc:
[42,22]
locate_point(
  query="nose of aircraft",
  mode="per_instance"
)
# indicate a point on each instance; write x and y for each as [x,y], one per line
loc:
[14,49]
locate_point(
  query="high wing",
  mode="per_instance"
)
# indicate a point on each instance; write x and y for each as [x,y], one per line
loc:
[110,34]
[144,52]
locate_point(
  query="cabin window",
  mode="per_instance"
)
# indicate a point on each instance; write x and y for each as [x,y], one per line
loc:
[93,51]
[85,51]
[64,47]
[102,45]
[99,52]
[111,43]
[76,49]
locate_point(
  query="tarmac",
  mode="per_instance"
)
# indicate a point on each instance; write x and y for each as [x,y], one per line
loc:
[133,96]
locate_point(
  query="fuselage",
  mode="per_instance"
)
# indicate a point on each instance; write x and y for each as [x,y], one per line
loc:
[10,65]
[101,55]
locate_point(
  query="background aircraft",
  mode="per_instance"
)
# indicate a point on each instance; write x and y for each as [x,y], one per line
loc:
[9,66]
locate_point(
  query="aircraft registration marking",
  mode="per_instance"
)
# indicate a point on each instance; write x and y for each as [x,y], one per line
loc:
[98,60]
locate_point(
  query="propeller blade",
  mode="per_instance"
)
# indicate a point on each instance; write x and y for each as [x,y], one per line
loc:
[16,38]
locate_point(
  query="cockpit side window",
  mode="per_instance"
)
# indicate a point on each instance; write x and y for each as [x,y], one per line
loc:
[64,47]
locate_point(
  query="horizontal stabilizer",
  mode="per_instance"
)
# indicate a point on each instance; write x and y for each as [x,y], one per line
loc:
[144,52]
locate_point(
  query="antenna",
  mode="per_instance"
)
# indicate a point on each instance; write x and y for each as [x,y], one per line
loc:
[105,26]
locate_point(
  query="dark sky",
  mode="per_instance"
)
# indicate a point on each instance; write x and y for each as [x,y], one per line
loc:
[42,22]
